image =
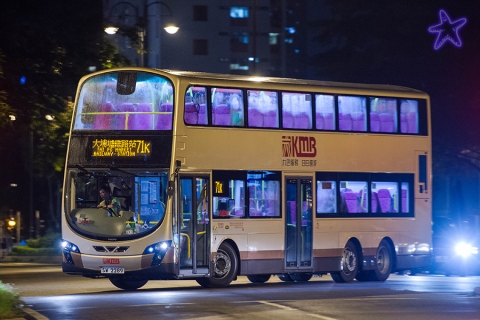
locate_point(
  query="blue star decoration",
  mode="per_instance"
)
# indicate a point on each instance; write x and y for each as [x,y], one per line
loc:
[447,30]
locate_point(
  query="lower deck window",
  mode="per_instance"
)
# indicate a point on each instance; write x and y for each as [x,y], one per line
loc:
[365,195]
[234,204]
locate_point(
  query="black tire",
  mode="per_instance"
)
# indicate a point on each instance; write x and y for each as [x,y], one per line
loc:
[349,265]
[127,284]
[383,262]
[301,277]
[285,277]
[225,268]
[204,282]
[258,278]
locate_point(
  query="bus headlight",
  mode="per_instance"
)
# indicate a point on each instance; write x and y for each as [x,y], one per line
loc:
[67,248]
[158,250]
[464,249]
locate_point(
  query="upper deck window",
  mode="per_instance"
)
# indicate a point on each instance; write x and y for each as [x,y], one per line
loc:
[125,101]
[325,112]
[262,109]
[383,115]
[227,107]
[352,113]
[409,116]
[195,111]
[297,110]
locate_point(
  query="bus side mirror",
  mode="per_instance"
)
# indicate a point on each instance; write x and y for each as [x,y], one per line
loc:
[170,188]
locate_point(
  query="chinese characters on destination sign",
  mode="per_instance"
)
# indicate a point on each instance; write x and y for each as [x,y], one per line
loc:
[120,148]
[294,147]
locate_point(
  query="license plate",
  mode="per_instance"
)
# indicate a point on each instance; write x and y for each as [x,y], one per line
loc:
[116,270]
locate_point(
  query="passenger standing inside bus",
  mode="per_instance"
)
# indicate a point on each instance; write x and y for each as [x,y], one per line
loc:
[109,202]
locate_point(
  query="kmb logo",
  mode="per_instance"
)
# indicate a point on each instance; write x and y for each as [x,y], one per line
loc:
[298,146]
[111,261]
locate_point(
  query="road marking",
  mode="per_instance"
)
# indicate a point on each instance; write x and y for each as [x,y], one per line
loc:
[318,316]
[277,305]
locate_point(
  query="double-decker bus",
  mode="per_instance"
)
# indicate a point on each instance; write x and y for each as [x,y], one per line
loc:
[216,176]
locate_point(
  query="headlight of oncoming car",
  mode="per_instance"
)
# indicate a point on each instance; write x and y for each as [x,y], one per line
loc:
[158,250]
[464,249]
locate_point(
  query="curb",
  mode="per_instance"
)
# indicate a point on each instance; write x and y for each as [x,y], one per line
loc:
[57,259]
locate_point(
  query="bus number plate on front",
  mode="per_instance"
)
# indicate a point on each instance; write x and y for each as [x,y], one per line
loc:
[112,270]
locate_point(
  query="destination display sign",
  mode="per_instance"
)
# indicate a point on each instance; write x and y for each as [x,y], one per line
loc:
[121,148]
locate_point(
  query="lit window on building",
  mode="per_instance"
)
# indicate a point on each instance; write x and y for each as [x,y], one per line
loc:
[239,12]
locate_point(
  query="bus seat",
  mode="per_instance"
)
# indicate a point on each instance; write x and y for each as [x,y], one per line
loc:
[319,121]
[351,201]
[412,122]
[386,122]
[374,122]
[164,120]
[191,114]
[328,121]
[374,202]
[255,118]
[302,121]
[385,200]
[121,119]
[358,121]
[221,115]
[345,121]
[403,123]
[404,201]
[288,120]
[103,121]
[202,114]
[270,119]
[143,121]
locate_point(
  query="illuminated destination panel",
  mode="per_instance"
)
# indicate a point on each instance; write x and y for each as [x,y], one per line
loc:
[120,148]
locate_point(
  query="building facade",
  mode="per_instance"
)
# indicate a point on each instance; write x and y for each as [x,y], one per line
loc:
[256,37]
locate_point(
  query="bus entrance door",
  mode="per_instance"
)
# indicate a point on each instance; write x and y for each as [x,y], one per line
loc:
[193,222]
[298,223]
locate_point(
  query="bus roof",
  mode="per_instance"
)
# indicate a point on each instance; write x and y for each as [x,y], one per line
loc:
[327,84]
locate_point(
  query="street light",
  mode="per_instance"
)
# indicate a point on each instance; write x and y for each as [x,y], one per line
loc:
[138,32]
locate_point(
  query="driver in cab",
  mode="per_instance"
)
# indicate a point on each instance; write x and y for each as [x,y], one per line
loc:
[112,204]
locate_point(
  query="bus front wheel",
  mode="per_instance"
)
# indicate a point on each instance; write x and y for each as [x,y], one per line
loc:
[225,268]
[127,284]
[349,265]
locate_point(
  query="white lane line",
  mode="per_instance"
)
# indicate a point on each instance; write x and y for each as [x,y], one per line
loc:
[277,305]
[318,316]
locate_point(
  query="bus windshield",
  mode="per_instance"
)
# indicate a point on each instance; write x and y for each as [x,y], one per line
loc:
[104,205]
[125,101]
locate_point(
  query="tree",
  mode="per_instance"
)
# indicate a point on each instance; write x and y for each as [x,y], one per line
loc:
[48,46]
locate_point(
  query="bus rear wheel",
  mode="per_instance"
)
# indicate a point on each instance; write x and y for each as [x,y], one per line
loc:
[383,262]
[349,265]
[127,284]
[258,278]
[225,268]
